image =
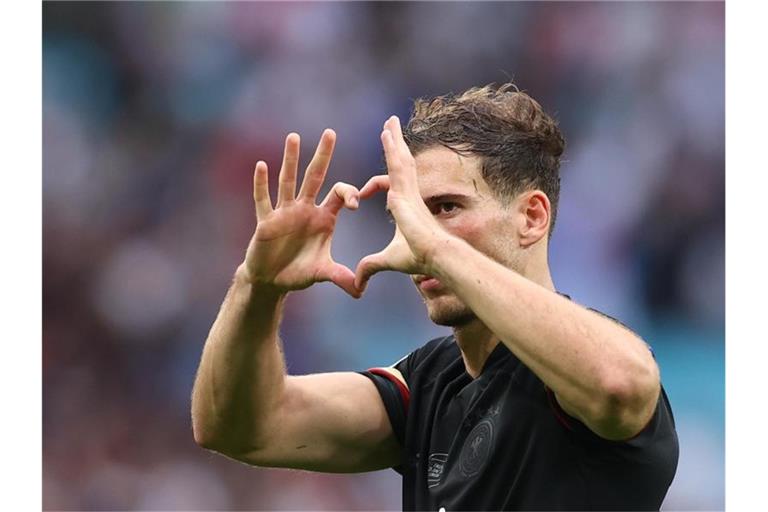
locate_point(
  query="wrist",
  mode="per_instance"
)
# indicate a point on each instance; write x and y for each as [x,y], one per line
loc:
[256,290]
[435,253]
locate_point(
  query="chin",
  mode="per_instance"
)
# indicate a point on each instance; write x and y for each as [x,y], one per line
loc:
[449,311]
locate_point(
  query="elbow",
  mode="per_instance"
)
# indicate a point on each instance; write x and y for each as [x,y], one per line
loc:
[206,438]
[209,437]
[214,433]
[229,444]
[628,402]
[217,444]
[207,443]
[253,456]
[203,429]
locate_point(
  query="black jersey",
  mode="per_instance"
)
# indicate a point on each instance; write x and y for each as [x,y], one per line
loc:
[501,441]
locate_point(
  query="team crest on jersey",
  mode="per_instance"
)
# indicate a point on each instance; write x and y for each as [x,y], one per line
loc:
[477,448]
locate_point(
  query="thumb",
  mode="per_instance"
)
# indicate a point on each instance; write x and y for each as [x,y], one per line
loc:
[369,266]
[342,277]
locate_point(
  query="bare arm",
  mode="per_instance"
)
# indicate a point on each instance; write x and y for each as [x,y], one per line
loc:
[243,403]
[241,373]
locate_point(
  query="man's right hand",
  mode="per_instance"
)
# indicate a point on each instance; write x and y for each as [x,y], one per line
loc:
[291,248]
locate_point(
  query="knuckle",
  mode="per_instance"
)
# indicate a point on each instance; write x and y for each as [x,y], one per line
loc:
[340,185]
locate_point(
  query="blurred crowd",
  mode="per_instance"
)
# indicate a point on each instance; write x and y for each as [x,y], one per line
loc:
[154,115]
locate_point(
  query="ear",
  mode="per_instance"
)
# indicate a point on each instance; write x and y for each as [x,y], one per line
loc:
[535,208]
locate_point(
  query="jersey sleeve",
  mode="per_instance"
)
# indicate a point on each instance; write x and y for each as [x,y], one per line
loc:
[395,394]
[651,457]
[662,422]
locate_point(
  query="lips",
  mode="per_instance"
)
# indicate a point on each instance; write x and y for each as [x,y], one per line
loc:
[428,283]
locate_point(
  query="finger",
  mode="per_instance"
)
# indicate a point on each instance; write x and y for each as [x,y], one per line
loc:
[388,142]
[394,165]
[341,195]
[396,129]
[400,162]
[315,175]
[374,185]
[261,190]
[342,277]
[390,151]
[367,267]
[400,146]
[286,188]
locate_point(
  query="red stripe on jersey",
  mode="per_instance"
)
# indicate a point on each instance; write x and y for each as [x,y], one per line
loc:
[560,414]
[404,391]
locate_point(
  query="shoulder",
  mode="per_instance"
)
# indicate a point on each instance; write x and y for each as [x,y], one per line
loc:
[438,347]
[433,355]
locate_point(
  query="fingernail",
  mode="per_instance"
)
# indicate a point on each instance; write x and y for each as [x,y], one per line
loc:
[355,202]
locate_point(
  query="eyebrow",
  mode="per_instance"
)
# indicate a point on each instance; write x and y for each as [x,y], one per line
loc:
[431,200]
[442,198]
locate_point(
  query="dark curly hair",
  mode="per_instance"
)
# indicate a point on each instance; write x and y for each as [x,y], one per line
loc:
[520,144]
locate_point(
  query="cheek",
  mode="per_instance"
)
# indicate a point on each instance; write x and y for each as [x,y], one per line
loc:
[489,235]
[467,227]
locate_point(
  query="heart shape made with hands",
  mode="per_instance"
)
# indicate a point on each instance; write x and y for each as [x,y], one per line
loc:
[416,231]
[397,255]
[291,247]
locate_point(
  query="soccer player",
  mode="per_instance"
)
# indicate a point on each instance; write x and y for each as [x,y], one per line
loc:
[534,402]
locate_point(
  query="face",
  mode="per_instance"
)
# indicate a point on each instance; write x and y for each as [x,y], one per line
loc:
[454,191]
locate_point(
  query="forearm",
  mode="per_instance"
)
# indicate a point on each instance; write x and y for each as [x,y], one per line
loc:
[241,376]
[596,367]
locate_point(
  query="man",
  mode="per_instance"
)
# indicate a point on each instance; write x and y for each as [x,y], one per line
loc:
[534,402]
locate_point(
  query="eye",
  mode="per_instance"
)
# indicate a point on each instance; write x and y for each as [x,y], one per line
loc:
[446,208]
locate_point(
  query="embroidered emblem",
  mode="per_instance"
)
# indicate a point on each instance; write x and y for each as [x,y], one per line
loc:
[435,467]
[476,449]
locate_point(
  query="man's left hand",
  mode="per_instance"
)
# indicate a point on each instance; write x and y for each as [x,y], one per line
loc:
[417,233]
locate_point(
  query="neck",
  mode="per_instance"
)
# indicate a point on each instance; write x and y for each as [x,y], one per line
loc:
[476,341]
[536,269]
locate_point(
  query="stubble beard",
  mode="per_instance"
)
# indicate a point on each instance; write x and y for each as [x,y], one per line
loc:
[449,311]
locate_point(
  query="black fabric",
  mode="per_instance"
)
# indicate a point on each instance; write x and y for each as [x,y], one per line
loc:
[496,442]
[393,403]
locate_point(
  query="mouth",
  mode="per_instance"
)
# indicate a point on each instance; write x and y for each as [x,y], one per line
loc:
[428,283]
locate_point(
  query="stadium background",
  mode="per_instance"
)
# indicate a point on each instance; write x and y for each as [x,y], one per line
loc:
[154,115]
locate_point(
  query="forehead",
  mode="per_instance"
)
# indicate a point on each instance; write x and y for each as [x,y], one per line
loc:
[442,171]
